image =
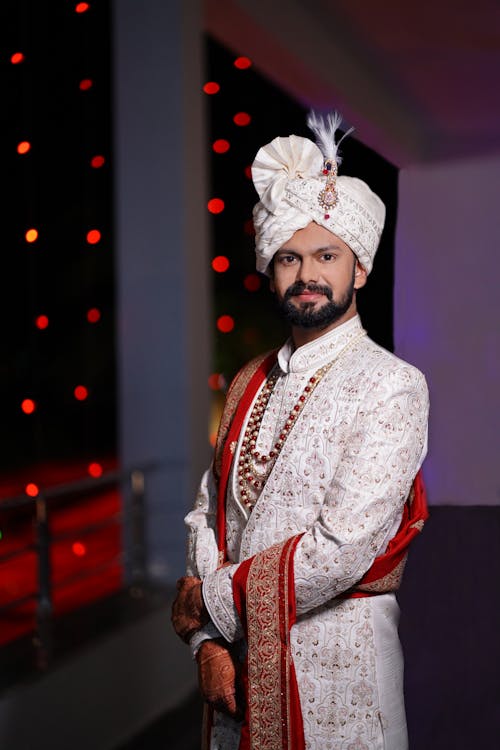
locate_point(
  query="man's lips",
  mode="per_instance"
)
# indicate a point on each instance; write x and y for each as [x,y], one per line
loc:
[306,296]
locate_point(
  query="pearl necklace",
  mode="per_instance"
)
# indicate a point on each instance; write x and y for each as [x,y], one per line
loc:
[254,468]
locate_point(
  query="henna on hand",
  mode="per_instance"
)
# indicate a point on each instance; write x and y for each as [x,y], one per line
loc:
[218,678]
[189,613]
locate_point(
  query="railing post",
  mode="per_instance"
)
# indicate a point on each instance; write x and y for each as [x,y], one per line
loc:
[44,603]
[138,528]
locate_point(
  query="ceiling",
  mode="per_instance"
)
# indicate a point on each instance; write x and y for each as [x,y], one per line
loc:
[419,83]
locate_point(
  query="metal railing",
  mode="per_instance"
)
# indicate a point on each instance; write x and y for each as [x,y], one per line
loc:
[133,557]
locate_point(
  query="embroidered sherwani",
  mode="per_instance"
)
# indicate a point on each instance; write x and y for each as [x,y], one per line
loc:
[342,478]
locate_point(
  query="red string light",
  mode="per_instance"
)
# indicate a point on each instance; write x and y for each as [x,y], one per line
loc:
[93,315]
[215,205]
[23,147]
[249,228]
[17,58]
[80,393]
[95,470]
[220,263]
[211,87]
[97,161]
[216,381]
[225,323]
[93,237]
[241,119]
[31,235]
[221,146]
[252,282]
[242,63]
[31,489]
[28,406]
[85,84]
[79,549]
[42,322]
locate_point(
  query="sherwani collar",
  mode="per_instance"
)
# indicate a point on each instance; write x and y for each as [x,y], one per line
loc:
[322,350]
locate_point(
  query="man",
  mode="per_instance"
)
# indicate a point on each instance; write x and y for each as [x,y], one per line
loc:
[299,534]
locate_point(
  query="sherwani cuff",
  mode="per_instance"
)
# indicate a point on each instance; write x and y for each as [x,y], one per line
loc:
[207,633]
[218,597]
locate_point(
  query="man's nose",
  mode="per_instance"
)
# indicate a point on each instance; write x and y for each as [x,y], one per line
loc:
[307,271]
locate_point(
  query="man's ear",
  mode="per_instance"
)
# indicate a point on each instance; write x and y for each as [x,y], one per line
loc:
[360,275]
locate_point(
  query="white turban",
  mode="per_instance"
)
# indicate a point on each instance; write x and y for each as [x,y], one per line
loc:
[288,176]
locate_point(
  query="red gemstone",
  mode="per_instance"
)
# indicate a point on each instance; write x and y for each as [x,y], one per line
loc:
[327,216]
[282,436]
[302,398]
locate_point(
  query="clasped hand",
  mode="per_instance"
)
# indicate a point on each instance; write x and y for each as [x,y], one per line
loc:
[218,678]
[189,613]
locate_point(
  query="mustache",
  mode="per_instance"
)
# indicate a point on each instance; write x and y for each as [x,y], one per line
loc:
[299,287]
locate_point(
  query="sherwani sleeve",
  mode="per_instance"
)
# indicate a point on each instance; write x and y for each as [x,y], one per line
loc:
[202,553]
[364,501]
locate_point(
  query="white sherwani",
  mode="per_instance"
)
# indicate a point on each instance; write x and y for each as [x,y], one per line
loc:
[342,476]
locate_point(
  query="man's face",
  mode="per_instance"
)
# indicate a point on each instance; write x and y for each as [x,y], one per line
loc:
[314,276]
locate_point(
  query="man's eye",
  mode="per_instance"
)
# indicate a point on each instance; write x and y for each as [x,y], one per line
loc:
[286,259]
[328,256]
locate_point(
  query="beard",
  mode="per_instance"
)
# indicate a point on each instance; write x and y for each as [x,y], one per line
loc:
[306,316]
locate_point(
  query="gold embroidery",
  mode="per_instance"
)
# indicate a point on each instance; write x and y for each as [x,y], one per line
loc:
[389,582]
[264,651]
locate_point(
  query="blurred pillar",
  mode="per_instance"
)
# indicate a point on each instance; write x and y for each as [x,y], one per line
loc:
[162,261]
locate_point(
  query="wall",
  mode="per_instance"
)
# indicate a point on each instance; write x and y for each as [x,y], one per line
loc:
[447,319]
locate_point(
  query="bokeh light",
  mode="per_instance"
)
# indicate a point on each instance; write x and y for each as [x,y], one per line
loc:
[216,381]
[23,147]
[95,470]
[252,282]
[242,119]
[211,87]
[79,549]
[31,489]
[220,263]
[82,7]
[248,172]
[93,237]
[42,322]
[85,84]
[225,323]
[17,58]
[221,146]
[248,227]
[80,393]
[31,235]
[242,63]
[28,406]
[216,205]
[97,161]
[93,315]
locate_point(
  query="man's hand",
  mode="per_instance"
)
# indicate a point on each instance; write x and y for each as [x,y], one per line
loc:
[218,679]
[189,613]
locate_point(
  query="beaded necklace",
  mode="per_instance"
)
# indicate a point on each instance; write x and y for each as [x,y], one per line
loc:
[254,468]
